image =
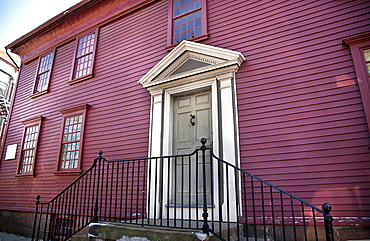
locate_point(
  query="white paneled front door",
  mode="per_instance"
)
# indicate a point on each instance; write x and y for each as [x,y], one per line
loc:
[192,121]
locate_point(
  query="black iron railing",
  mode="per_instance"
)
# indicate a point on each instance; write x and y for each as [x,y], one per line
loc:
[198,191]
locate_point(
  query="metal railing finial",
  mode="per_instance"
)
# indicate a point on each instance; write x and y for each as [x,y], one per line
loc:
[328,219]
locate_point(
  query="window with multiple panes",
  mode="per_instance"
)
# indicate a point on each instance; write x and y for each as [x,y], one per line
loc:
[84,57]
[367,59]
[360,49]
[71,142]
[72,139]
[188,20]
[43,73]
[29,146]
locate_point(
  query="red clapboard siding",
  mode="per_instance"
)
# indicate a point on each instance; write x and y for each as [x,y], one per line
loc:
[117,122]
[301,121]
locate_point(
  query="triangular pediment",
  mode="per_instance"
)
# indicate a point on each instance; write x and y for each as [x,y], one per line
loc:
[188,59]
[190,64]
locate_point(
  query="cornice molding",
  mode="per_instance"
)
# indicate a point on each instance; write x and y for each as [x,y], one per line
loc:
[71,23]
[356,39]
[220,60]
[159,89]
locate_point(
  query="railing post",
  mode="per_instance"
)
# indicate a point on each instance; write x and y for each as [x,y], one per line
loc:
[96,206]
[205,211]
[328,219]
[35,219]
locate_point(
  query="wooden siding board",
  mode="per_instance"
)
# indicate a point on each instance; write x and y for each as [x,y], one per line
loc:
[300,79]
[297,20]
[250,120]
[303,139]
[58,98]
[291,18]
[270,72]
[349,151]
[355,125]
[299,98]
[301,120]
[331,163]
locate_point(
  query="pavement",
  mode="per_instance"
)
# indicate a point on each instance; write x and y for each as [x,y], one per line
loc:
[11,237]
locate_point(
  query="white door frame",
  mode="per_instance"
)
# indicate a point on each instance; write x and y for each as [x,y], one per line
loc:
[219,75]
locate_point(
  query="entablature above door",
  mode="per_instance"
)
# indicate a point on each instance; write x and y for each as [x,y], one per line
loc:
[191,61]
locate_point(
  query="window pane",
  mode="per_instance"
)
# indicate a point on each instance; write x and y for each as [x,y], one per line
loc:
[177,30]
[191,25]
[184,28]
[28,149]
[367,54]
[191,17]
[198,14]
[188,25]
[190,7]
[183,36]
[191,34]
[198,31]
[72,135]
[84,55]
[42,77]
[198,23]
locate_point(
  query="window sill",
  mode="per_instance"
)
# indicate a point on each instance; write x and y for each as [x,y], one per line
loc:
[68,173]
[39,93]
[75,81]
[196,39]
[25,175]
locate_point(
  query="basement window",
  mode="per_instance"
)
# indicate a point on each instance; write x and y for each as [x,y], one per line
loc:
[62,227]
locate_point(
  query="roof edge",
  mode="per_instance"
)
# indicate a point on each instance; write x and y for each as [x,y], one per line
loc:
[50,23]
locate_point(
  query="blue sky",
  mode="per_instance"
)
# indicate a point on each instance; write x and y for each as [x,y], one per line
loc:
[18,17]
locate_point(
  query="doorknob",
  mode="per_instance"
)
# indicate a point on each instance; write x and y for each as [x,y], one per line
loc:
[192,117]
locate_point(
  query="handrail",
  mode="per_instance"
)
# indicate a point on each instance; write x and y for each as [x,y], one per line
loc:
[271,185]
[196,191]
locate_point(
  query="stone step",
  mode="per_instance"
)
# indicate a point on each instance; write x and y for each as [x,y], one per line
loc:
[129,232]
[107,231]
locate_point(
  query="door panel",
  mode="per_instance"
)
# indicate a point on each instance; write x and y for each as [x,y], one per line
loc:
[184,129]
[187,173]
[202,126]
